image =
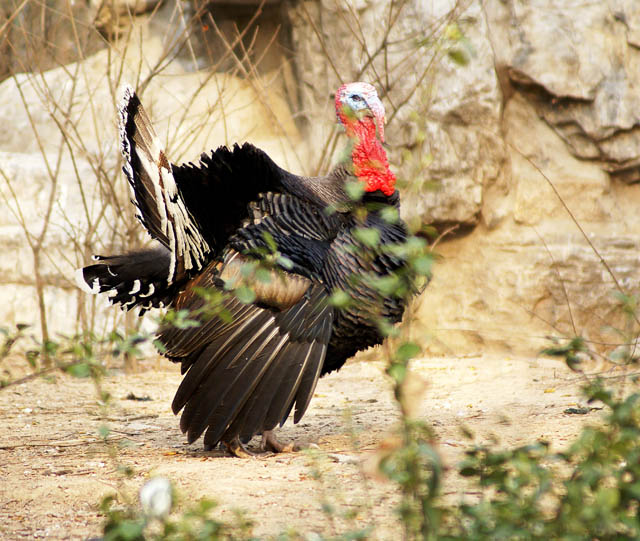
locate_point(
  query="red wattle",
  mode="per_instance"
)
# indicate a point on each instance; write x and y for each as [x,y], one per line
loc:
[370,163]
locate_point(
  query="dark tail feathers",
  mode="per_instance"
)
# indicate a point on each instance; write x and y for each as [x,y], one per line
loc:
[134,279]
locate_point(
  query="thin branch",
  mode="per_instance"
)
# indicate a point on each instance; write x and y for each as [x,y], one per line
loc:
[13,16]
[322,43]
[443,235]
[554,266]
[575,221]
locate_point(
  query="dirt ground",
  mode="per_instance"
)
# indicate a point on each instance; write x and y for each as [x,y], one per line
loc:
[55,469]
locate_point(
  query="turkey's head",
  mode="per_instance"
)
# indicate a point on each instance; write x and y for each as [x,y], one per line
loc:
[362,114]
[358,106]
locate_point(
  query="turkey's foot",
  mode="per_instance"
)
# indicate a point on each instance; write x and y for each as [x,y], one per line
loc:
[235,448]
[270,443]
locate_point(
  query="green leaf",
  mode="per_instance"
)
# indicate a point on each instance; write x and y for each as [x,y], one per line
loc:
[245,294]
[180,319]
[284,262]
[398,372]
[162,349]
[263,275]
[327,508]
[469,471]
[248,268]
[80,370]
[369,236]
[408,351]
[355,190]
[607,497]
[386,328]
[270,241]
[104,431]
[623,298]
[129,530]
[452,32]
[390,214]
[50,347]
[459,56]
[340,299]
[422,265]
[32,357]
[205,505]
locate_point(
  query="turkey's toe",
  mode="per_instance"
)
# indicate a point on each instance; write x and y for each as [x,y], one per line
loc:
[270,443]
[235,448]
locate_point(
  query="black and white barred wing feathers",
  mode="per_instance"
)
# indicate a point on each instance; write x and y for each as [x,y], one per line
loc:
[160,205]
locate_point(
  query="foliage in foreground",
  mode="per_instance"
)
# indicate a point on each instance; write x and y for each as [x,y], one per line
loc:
[589,491]
[153,520]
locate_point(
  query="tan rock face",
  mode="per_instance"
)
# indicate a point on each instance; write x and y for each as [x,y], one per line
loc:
[581,184]
[528,272]
[507,289]
[578,62]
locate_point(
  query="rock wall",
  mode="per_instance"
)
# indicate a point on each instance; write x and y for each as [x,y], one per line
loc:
[508,118]
[567,74]
[549,90]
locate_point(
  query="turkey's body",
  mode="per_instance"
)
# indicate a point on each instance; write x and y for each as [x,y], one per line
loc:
[249,364]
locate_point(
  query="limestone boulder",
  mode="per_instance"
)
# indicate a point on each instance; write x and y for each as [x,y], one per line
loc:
[512,288]
[558,238]
[579,62]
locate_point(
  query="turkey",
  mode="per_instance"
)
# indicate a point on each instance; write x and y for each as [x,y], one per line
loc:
[249,364]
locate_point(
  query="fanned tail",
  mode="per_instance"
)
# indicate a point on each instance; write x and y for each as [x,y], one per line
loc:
[159,202]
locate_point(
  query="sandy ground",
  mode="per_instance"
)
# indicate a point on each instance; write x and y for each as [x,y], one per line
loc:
[54,468]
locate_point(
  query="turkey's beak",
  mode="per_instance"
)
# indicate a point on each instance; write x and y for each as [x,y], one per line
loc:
[377,110]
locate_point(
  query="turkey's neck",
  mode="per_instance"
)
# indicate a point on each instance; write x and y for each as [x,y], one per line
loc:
[370,164]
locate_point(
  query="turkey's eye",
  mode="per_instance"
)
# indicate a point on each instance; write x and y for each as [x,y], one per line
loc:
[355,97]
